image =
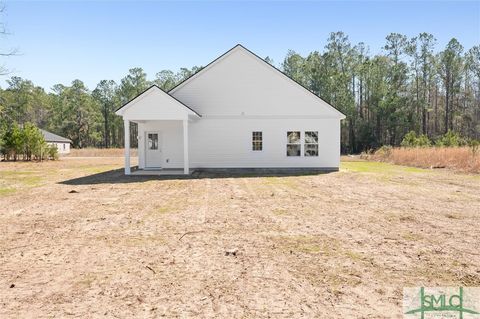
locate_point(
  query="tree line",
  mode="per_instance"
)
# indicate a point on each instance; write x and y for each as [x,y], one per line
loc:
[408,87]
[86,117]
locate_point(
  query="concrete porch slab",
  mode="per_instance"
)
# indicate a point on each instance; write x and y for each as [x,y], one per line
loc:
[159,172]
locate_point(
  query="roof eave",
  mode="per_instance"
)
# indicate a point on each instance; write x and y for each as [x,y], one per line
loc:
[121,110]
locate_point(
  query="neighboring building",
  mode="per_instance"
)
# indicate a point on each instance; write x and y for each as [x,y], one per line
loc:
[237,112]
[62,143]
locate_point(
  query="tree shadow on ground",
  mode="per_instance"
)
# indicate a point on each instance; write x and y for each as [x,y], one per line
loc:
[117,176]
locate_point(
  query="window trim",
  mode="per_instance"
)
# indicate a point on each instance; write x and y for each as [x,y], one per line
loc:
[304,150]
[297,143]
[253,140]
[305,144]
[302,142]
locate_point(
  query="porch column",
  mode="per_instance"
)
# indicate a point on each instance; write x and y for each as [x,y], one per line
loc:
[186,168]
[126,129]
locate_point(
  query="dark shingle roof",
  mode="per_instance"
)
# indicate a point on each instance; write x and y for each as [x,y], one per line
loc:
[50,137]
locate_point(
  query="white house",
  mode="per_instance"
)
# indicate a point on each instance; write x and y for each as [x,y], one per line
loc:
[62,143]
[237,112]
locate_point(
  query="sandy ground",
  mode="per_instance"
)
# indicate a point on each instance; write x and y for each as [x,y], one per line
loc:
[79,240]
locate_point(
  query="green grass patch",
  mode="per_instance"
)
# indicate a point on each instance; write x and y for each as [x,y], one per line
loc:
[475,177]
[279,211]
[22,178]
[146,240]
[358,257]
[164,210]
[310,244]
[6,191]
[280,181]
[14,180]
[379,168]
[7,174]
[412,236]
[168,207]
[97,169]
[31,181]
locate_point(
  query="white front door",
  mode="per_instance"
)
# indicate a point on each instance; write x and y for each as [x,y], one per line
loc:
[153,150]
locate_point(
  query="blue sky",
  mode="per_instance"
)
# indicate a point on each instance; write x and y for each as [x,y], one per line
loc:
[91,41]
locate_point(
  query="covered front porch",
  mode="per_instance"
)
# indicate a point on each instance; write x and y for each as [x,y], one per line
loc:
[163,133]
[162,146]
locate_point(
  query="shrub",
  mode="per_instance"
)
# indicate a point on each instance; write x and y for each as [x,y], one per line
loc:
[52,152]
[423,141]
[13,142]
[450,139]
[383,152]
[34,143]
[367,153]
[412,140]
[409,139]
[474,145]
[26,141]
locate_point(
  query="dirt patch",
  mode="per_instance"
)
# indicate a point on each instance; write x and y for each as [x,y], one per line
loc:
[337,245]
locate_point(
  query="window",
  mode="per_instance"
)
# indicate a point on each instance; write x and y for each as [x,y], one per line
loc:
[311,144]
[293,143]
[257,141]
[153,141]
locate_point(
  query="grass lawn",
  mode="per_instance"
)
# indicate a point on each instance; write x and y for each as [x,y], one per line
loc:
[79,239]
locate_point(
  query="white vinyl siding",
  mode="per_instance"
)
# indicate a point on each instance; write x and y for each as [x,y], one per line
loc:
[240,83]
[221,143]
[172,145]
[224,143]
[62,148]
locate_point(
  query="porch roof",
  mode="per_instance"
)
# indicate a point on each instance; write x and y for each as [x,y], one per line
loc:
[155,104]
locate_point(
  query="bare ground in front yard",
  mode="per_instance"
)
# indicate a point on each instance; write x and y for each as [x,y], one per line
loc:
[338,245]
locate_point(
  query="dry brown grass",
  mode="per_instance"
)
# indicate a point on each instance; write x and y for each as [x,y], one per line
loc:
[99,152]
[462,159]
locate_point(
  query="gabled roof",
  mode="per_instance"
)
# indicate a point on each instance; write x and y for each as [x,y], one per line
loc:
[50,137]
[194,75]
[132,101]
[211,64]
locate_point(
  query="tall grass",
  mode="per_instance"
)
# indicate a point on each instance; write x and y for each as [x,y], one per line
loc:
[463,159]
[99,152]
